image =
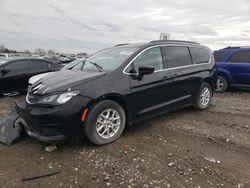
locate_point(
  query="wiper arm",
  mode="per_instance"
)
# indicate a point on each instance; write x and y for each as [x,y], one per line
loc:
[100,68]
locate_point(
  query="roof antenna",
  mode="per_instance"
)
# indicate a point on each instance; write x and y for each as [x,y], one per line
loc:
[164,36]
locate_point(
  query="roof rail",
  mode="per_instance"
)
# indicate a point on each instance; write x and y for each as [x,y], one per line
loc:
[236,47]
[122,44]
[173,41]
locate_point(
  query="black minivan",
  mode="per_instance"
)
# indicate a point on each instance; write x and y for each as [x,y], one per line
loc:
[117,87]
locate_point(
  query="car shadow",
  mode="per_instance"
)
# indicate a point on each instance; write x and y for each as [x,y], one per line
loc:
[239,90]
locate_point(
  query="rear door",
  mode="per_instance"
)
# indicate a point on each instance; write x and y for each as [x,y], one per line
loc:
[239,67]
[181,69]
[38,66]
[15,77]
[152,93]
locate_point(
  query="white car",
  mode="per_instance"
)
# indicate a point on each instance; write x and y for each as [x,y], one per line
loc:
[77,64]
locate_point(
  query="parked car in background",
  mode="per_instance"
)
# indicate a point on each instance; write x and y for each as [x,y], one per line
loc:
[3,55]
[15,72]
[233,67]
[116,87]
[77,64]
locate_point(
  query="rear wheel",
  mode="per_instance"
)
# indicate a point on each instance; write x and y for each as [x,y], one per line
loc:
[204,96]
[105,122]
[222,84]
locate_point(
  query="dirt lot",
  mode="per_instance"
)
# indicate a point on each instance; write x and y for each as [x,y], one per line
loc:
[166,151]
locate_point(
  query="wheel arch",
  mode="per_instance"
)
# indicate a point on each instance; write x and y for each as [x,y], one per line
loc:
[226,75]
[118,99]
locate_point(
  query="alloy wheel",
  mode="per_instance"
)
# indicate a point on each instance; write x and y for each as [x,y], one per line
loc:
[108,123]
[220,84]
[205,96]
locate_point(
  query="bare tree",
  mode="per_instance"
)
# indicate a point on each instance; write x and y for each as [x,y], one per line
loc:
[40,51]
[51,52]
[27,51]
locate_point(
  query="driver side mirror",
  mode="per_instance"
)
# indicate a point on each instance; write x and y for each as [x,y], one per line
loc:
[144,70]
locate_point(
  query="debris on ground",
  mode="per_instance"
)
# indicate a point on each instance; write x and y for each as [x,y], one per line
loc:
[10,129]
[51,148]
[171,164]
[211,160]
[51,173]
[12,94]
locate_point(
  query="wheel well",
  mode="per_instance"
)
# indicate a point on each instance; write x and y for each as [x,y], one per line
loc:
[224,76]
[210,83]
[121,102]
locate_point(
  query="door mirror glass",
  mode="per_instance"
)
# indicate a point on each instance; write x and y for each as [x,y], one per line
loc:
[144,70]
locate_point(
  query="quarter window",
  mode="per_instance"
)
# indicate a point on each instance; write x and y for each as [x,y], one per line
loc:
[200,55]
[37,66]
[177,56]
[240,57]
[151,57]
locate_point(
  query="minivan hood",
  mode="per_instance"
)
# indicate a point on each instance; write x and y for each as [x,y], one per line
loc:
[63,81]
[36,78]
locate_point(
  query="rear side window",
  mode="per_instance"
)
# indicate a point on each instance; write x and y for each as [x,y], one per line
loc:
[177,56]
[240,57]
[219,56]
[200,55]
[37,66]
[17,68]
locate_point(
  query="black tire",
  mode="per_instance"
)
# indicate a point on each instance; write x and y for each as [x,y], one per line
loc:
[90,127]
[200,103]
[222,84]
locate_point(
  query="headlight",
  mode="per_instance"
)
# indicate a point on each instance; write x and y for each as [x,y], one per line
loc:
[58,99]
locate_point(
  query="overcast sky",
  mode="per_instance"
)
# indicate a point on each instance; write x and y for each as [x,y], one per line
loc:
[81,25]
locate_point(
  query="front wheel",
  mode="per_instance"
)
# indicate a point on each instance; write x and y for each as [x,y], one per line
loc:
[105,122]
[204,96]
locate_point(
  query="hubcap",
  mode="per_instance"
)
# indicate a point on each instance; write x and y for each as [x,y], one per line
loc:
[108,123]
[205,96]
[220,84]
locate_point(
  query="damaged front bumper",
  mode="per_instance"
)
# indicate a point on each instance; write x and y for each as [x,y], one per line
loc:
[54,124]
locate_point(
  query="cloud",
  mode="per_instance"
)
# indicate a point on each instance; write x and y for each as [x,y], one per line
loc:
[76,25]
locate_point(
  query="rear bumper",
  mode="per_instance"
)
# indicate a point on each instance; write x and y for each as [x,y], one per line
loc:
[54,124]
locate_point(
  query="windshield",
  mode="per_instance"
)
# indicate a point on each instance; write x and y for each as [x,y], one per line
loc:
[109,59]
[73,64]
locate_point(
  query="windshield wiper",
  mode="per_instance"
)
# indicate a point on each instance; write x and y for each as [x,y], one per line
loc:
[100,68]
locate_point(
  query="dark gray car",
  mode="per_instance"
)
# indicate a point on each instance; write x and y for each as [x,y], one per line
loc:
[15,72]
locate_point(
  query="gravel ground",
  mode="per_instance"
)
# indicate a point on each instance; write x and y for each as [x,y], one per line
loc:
[173,150]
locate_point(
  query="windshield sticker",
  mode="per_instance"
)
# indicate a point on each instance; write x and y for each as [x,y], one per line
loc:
[126,53]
